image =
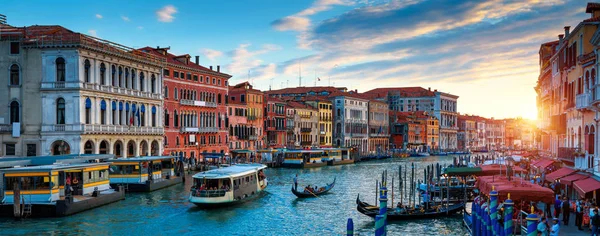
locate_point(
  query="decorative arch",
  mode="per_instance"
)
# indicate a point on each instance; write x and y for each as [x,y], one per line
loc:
[155,148]
[118,148]
[143,148]
[131,148]
[88,147]
[103,147]
[86,71]
[60,147]
[15,75]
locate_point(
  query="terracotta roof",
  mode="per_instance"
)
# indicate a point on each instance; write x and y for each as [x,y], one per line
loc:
[593,19]
[403,91]
[298,105]
[592,6]
[306,90]
[550,43]
[171,58]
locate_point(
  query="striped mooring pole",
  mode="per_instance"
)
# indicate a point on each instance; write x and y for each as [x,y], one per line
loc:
[350,227]
[475,217]
[381,219]
[532,220]
[508,216]
[494,211]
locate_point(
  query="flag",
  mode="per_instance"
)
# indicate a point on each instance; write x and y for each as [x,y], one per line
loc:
[131,119]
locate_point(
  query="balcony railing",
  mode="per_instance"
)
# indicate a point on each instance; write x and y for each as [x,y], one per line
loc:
[208,193]
[197,103]
[5,128]
[60,85]
[200,129]
[252,137]
[251,117]
[379,135]
[583,101]
[97,87]
[62,128]
[567,154]
[305,130]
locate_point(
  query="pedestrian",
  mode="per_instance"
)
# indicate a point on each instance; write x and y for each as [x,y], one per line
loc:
[579,214]
[557,203]
[595,222]
[542,228]
[555,228]
[296,182]
[566,210]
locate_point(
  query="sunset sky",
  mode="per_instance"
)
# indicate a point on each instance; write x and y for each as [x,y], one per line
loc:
[484,51]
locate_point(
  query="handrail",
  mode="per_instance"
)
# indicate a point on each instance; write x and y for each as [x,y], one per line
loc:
[209,193]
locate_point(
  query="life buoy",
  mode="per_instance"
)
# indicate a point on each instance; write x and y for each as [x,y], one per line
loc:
[145,164]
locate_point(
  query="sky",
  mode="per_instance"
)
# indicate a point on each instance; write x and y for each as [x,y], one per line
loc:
[484,51]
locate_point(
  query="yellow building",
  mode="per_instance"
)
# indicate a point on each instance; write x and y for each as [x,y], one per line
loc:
[325,119]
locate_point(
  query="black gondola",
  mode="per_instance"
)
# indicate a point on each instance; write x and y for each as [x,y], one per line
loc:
[314,194]
[393,215]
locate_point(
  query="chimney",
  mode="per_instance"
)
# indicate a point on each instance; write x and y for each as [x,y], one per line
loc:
[197,60]
[429,88]
[560,39]
[218,68]
[210,67]
[567,31]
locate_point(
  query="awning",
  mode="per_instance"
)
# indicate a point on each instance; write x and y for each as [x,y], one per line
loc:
[542,164]
[559,174]
[495,169]
[568,180]
[462,171]
[586,185]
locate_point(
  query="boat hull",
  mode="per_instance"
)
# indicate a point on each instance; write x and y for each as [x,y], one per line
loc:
[207,205]
[149,187]
[312,195]
[372,211]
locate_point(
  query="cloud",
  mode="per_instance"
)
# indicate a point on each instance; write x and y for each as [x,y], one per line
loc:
[244,60]
[93,32]
[300,21]
[166,13]
[125,18]
[99,16]
[140,27]
[211,54]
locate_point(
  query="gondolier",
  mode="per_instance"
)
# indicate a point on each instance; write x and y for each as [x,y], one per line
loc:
[296,182]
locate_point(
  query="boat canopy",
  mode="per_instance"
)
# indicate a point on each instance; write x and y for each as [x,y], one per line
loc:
[54,167]
[519,189]
[463,171]
[231,171]
[495,169]
[142,159]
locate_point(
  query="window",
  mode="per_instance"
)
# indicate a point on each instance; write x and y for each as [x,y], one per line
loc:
[14,47]
[142,81]
[113,75]
[195,78]
[219,98]
[166,118]
[102,74]
[60,69]
[103,112]
[189,76]
[219,82]
[60,111]
[153,84]
[10,149]
[86,70]
[175,93]
[177,141]
[14,112]
[201,79]
[175,74]
[214,81]
[182,75]
[166,72]
[175,119]
[14,74]
[166,92]
[88,111]
[243,98]
[31,149]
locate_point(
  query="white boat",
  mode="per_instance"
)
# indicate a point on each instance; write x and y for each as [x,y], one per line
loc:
[423,154]
[228,186]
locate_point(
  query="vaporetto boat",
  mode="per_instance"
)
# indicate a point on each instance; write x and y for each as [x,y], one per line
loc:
[228,186]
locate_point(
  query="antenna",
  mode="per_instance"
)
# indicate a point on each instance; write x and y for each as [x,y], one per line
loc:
[270,84]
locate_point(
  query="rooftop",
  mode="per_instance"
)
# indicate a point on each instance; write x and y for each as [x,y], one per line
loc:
[173,59]
[402,92]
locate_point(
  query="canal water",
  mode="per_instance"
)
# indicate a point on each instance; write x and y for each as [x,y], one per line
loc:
[277,212]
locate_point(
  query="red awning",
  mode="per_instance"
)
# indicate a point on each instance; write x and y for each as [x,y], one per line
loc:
[586,185]
[559,173]
[543,164]
[568,180]
[517,188]
[495,169]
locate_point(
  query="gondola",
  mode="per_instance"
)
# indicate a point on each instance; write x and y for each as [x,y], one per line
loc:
[315,194]
[393,215]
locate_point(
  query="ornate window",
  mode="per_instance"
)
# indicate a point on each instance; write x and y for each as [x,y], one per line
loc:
[60,111]
[14,74]
[86,70]
[60,69]
[14,112]
[102,74]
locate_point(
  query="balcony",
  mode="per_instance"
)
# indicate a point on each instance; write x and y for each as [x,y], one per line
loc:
[251,117]
[583,101]
[199,129]
[305,130]
[252,137]
[62,128]
[60,85]
[122,129]
[97,87]
[197,103]
[567,154]
[5,128]
[378,135]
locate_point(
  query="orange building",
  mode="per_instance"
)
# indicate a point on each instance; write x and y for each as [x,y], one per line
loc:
[254,103]
[408,131]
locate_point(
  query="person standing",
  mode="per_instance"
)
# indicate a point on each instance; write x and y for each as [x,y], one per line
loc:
[542,228]
[555,228]
[595,223]
[566,210]
[296,182]
[557,203]
[579,214]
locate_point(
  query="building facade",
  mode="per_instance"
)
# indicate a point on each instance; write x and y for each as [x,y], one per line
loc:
[275,127]
[325,119]
[253,100]
[379,136]
[445,109]
[194,106]
[350,121]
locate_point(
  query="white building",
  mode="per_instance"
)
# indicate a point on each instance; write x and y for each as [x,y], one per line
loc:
[351,126]
[445,109]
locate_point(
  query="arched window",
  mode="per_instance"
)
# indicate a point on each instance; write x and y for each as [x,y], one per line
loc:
[219,98]
[143,115]
[103,112]
[153,116]
[153,84]
[175,119]
[120,81]
[114,112]
[175,93]
[166,92]
[60,69]
[86,70]
[88,111]
[102,74]
[60,111]
[142,81]
[126,77]
[133,82]
[113,76]
[177,141]
[14,74]
[14,112]
[166,118]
